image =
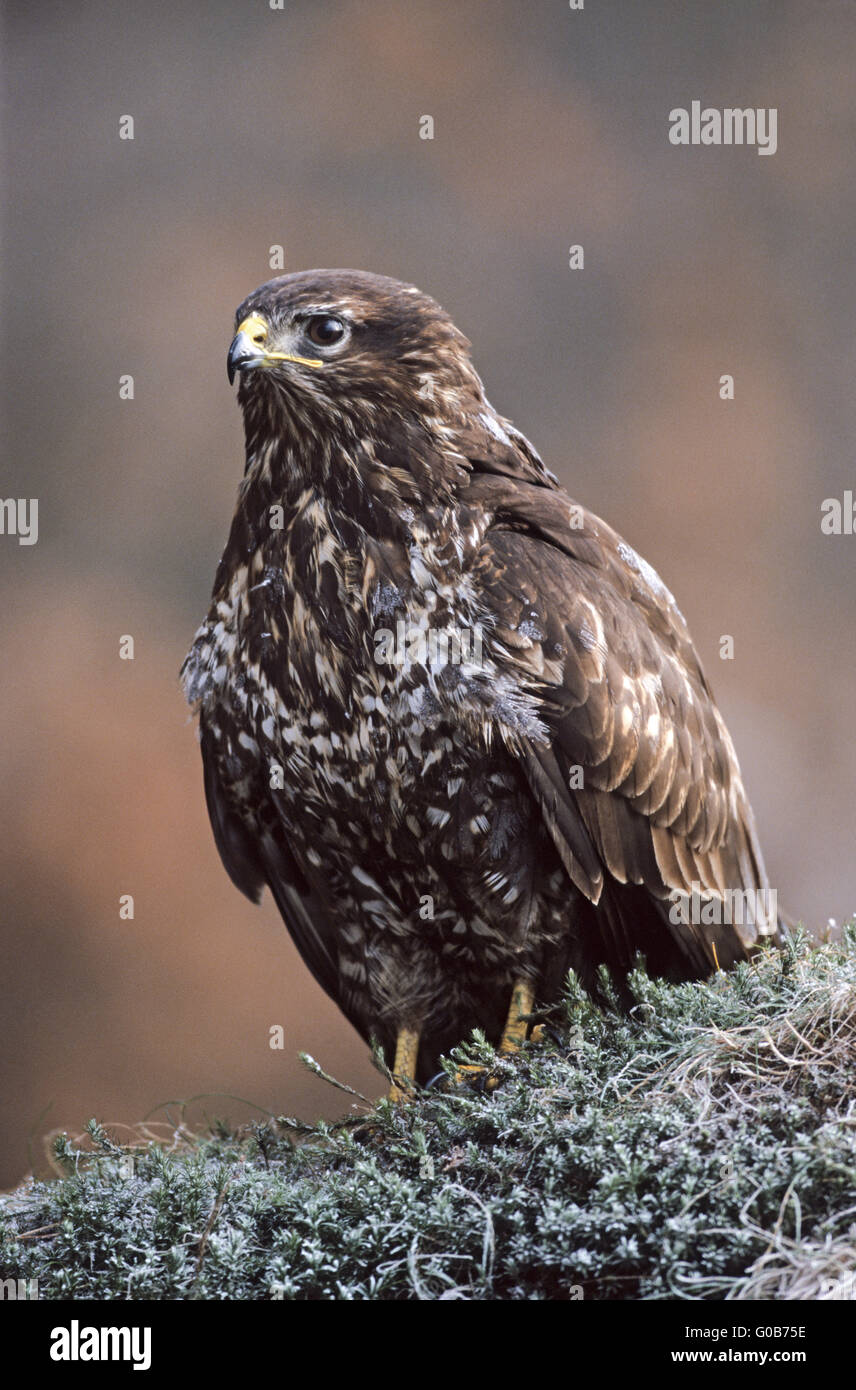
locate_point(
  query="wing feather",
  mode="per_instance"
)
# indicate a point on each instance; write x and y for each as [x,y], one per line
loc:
[253,859]
[623,695]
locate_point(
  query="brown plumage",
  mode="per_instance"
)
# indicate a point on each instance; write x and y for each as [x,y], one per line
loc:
[435,825]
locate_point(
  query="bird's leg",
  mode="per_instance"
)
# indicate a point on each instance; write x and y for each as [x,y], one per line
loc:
[522,1003]
[404,1066]
[513,1034]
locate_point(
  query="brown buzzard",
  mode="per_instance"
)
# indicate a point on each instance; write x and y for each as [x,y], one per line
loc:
[451,719]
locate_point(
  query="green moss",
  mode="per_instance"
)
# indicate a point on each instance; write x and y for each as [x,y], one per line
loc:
[698,1148]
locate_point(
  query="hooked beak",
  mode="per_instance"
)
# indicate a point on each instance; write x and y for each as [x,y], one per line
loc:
[242,353]
[247,349]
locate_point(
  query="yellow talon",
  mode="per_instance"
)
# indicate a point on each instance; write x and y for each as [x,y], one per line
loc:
[513,1038]
[513,1034]
[516,1025]
[404,1066]
[522,1003]
[468,1071]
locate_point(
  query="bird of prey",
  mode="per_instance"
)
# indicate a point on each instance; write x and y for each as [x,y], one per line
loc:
[448,716]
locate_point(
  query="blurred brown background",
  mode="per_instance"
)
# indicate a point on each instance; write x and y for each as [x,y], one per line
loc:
[300,127]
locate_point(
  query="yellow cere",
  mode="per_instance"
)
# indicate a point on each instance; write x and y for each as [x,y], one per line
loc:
[257,331]
[255,328]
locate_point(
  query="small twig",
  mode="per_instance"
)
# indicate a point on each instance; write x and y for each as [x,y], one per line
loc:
[317,1070]
[203,1243]
[50,1229]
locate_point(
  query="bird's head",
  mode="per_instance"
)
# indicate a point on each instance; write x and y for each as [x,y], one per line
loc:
[345,353]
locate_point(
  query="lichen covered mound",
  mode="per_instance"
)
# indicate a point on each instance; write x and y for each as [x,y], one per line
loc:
[701,1147]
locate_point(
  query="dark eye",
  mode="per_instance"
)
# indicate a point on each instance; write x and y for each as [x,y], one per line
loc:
[324,330]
